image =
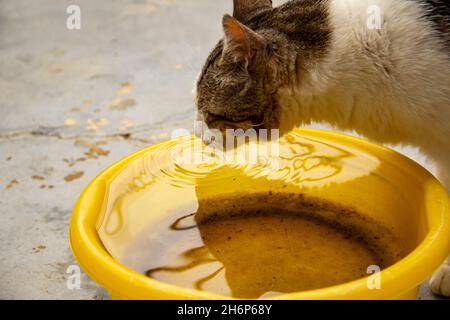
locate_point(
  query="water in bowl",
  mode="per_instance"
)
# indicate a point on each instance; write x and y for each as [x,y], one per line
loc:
[249,246]
[306,218]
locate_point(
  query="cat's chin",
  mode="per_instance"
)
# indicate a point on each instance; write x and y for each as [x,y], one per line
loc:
[286,126]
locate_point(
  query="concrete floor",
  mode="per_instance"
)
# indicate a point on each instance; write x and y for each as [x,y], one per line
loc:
[75,101]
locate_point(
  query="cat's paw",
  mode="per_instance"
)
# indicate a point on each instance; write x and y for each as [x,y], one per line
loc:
[440,281]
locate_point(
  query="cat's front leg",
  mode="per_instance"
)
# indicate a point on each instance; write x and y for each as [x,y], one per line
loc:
[440,281]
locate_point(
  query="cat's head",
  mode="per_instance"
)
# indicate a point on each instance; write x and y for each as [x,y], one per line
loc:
[238,84]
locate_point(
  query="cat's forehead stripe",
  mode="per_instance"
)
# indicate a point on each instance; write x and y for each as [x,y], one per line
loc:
[215,53]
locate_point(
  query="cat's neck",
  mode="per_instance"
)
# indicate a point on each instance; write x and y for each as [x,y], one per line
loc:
[373,80]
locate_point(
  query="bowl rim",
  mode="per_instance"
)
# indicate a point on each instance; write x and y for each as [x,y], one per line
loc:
[94,259]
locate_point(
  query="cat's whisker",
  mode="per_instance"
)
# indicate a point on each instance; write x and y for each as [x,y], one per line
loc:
[258,125]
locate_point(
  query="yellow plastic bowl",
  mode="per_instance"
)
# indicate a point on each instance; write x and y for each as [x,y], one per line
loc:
[425,230]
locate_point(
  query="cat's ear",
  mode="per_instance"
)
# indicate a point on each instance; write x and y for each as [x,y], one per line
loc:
[244,8]
[241,42]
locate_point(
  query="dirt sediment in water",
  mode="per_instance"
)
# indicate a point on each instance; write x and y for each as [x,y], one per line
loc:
[258,245]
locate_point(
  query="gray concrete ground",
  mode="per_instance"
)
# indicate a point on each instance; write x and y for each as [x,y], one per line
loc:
[73,102]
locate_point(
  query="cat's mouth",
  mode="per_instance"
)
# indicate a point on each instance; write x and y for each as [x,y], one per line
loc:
[206,122]
[239,127]
[220,122]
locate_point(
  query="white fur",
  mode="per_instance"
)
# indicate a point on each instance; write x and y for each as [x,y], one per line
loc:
[391,85]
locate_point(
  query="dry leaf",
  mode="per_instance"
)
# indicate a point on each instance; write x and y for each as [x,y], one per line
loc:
[122,105]
[38,248]
[84,144]
[70,122]
[73,176]
[94,124]
[11,184]
[94,152]
[125,88]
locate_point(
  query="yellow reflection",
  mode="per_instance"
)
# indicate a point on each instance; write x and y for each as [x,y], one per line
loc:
[173,181]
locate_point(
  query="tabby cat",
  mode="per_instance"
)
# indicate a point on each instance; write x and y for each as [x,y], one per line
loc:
[378,67]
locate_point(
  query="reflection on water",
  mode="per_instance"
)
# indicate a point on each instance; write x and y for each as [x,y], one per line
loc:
[196,256]
[149,222]
[179,223]
[262,248]
[299,160]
